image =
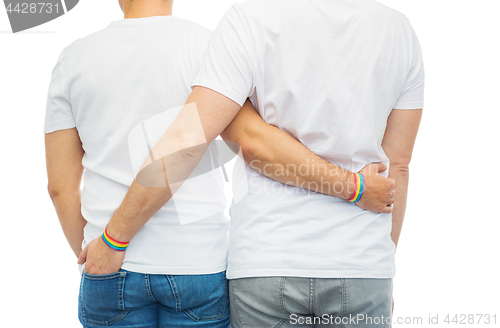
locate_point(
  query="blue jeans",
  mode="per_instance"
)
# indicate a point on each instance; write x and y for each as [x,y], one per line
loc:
[286,302]
[130,299]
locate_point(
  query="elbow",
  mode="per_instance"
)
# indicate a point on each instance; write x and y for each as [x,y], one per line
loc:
[57,191]
[259,158]
[53,191]
[401,169]
[253,140]
[254,153]
[249,151]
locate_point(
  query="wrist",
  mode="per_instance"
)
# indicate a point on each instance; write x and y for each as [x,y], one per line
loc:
[117,229]
[359,187]
[349,186]
[113,243]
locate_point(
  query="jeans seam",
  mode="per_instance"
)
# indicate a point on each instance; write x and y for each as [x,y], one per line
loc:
[104,276]
[282,302]
[236,308]
[344,300]
[226,297]
[196,318]
[344,295]
[121,289]
[82,312]
[147,283]
[311,294]
[280,323]
[175,293]
[281,294]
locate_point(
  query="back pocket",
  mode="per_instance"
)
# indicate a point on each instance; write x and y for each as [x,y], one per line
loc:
[202,297]
[101,298]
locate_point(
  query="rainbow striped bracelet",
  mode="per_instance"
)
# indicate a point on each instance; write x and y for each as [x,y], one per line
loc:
[114,244]
[359,187]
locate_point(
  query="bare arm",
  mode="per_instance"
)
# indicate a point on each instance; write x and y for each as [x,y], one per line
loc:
[64,154]
[277,155]
[399,138]
[214,112]
[174,157]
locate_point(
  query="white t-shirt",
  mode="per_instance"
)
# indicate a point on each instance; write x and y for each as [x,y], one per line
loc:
[328,72]
[121,88]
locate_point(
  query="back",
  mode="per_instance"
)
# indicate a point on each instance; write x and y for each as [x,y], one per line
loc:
[332,73]
[328,72]
[131,77]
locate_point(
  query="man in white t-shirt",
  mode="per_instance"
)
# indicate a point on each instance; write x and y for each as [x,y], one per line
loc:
[105,88]
[346,79]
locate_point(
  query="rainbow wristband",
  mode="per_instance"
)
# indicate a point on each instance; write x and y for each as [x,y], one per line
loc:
[114,244]
[359,187]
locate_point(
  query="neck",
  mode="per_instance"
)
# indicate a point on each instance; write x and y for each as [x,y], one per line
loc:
[147,8]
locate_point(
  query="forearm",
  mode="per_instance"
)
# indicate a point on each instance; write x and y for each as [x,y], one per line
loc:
[401,174]
[139,205]
[274,153]
[280,157]
[398,142]
[172,160]
[143,200]
[64,153]
[68,209]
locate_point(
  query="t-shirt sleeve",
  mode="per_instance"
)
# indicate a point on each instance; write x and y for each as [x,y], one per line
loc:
[58,114]
[226,67]
[412,96]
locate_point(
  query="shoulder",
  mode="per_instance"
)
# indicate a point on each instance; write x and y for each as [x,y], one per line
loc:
[82,44]
[192,27]
[252,10]
[192,33]
[389,14]
[252,15]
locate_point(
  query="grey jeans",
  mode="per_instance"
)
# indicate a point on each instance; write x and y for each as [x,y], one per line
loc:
[267,302]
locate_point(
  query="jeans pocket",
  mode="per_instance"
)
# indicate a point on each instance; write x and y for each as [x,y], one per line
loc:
[101,298]
[203,297]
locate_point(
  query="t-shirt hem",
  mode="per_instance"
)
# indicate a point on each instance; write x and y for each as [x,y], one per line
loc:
[220,89]
[174,270]
[409,105]
[236,274]
[59,125]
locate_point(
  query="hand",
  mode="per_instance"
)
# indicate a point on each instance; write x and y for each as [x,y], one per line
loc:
[378,195]
[100,259]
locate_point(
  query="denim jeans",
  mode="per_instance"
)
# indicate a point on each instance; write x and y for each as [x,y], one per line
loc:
[283,302]
[130,299]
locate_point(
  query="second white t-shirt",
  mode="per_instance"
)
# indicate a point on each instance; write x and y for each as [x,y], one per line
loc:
[328,72]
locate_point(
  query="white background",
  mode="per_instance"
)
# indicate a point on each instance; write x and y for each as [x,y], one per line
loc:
[447,259]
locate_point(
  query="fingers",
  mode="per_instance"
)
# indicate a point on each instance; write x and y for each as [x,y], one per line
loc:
[380,167]
[370,169]
[387,209]
[374,168]
[83,255]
